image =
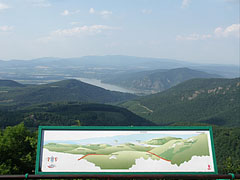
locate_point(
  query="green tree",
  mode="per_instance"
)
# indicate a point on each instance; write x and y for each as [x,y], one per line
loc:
[18,150]
[78,123]
[231,167]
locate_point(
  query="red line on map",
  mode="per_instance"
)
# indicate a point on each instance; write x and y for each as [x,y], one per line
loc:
[158,156]
[89,155]
[105,154]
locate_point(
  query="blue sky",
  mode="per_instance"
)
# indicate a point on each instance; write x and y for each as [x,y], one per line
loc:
[120,139]
[202,31]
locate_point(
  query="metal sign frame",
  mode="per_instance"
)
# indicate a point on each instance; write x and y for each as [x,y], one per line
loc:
[152,129]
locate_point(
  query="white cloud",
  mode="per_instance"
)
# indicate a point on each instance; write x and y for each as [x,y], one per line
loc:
[6,28]
[67,12]
[91,11]
[206,36]
[94,29]
[185,3]
[77,32]
[3,6]
[146,11]
[233,30]
[194,37]
[40,3]
[75,23]
[105,14]
[45,39]
[219,32]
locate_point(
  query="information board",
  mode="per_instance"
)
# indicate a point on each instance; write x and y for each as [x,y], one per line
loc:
[125,150]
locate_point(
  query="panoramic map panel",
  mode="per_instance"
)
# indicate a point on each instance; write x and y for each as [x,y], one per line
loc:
[126,151]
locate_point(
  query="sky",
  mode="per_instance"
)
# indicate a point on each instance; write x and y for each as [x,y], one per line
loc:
[199,31]
[89,136]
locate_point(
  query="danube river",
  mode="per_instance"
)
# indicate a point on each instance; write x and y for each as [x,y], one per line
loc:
[110,87]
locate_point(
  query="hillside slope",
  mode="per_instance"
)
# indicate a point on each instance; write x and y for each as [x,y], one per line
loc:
[10,83]
[212,101]
[66,90]
[71,113]
[156,80]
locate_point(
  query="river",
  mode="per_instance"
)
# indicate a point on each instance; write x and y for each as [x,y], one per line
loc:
[97,82]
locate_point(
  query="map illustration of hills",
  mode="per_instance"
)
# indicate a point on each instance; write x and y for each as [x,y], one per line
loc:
[121,152]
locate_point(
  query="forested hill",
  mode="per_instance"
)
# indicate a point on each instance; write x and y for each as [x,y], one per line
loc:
[213,101]
[66,90]
[156,80]
[71,113]
[10,83]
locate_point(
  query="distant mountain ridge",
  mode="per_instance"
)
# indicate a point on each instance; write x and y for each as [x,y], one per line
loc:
[10,83]
[43,70]
[118,61]
[66,90]
[157,80]
[211,101]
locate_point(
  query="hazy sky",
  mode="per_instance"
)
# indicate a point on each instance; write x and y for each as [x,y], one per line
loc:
[204,31]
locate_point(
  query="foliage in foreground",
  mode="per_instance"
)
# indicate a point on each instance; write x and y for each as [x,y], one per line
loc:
[18,150]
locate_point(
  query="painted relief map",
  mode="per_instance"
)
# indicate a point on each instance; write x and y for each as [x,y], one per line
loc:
[126,151]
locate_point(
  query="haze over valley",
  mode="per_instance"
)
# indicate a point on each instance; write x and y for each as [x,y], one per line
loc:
[145,75]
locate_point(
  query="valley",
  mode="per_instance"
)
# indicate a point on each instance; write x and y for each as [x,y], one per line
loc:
[121,73]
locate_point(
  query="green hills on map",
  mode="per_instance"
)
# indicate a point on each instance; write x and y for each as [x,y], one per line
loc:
[123,156]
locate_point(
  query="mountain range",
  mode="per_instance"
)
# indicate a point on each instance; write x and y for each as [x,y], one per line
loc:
[10,83]
[61,91]
[45,70]
[156,80]
[211,101]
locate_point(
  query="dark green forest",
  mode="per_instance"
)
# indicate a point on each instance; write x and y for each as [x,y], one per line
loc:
[66,114]
[65,90]
[211,101]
